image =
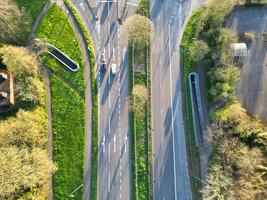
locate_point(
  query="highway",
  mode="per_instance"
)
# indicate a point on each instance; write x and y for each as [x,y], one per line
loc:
[113,158]
[170,168]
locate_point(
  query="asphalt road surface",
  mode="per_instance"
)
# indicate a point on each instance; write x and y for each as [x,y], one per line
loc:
[113,158]
[170,160]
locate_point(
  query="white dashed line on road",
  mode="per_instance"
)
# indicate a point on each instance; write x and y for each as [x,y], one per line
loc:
[82,6]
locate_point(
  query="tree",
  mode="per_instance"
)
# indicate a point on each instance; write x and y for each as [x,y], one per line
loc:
[138,29]
[13,22]
[200,49]
[19,60]
[138,99]
[222,81]
[26,129]
[24,66]
[22,170]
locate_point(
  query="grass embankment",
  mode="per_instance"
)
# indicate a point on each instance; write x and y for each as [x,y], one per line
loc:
[67,105]
[68,139]
[188,66]
[94,102]
[140,123]
[56,29]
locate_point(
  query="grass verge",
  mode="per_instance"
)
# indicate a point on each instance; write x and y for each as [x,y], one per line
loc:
[188,65]
[94,101]
[68,139]
[56,29]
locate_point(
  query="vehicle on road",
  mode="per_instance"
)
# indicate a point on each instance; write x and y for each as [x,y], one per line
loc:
[103,65]
[113,69]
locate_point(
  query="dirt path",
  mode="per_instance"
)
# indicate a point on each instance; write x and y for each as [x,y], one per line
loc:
[50,132]
[37,21]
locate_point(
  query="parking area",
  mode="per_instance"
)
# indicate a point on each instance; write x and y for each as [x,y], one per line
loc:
[252,88]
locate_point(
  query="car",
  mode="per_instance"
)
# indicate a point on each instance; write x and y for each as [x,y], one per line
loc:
[103,65]
[113,69]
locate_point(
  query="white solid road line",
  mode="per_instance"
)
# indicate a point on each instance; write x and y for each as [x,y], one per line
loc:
[108,180]
[172,117]
[123,53]
[109,152]
[114,143]
[126,140]
[103,144]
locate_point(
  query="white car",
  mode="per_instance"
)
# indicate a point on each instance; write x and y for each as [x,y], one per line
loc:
[113,69]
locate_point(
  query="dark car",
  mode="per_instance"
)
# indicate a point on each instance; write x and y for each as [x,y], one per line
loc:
[103,65]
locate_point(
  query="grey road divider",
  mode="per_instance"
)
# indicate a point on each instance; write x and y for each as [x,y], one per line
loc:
[197,112]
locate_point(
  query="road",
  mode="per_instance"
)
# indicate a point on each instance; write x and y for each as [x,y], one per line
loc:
[170,159]
[113,158]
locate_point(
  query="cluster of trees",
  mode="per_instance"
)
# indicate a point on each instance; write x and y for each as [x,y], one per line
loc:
[14,23]
[214,49]
[24,163]
[239,165]
[24,66]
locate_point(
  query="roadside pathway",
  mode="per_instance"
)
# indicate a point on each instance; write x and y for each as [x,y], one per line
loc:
[88,103]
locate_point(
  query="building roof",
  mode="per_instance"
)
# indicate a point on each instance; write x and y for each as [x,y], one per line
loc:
[239,49]
[6,88]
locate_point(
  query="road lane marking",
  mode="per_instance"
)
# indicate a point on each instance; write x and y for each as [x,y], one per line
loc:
[114,143]
[123,53]
[126,140]
[108,180]
[132,4]
[113,54]
[172,117]
[103,144]
[109,152]
[109,100]
[82,6]
[109,125]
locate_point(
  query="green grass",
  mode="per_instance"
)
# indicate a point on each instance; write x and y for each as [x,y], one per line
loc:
[188,65]
[94,103]
[68,139]
[56,30]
